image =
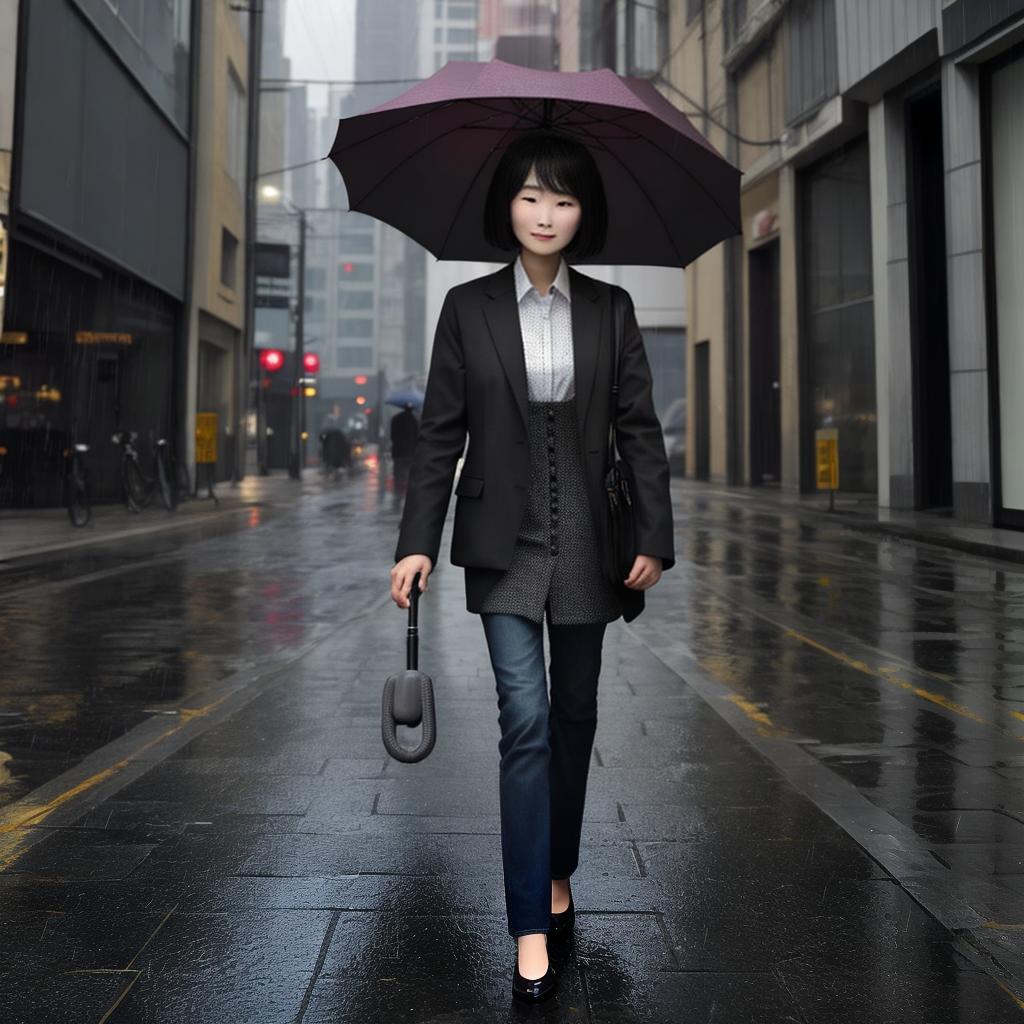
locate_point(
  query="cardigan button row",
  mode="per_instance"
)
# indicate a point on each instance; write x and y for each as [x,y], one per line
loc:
[553,485]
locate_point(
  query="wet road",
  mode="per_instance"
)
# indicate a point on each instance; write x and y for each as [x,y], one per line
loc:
[805,800]
[97,639]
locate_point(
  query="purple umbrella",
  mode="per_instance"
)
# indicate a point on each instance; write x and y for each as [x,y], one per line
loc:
[423,161]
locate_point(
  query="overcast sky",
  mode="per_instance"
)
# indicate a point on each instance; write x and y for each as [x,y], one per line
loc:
[318,37]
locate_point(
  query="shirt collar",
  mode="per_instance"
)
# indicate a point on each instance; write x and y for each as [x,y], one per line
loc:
[524,284]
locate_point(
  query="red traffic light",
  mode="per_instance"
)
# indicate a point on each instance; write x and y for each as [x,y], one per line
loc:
[271,359]
[361,379]
[311,362]
[347,268]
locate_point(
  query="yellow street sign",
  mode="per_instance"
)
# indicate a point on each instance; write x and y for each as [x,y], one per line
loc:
[102,338]
[206,437]
[826,444]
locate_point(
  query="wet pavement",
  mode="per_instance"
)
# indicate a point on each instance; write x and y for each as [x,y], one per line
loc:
[805,800]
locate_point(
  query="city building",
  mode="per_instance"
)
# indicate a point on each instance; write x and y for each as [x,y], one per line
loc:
[95,329]
[218,372]
[876,290]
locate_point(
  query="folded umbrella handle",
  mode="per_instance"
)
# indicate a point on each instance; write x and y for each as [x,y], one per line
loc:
[408,700]
[408,697]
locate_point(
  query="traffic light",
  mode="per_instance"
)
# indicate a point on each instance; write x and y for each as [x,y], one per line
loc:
[271,359]
[311,362]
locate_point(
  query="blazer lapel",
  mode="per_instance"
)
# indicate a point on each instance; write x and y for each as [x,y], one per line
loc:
[587,324]
[502,314]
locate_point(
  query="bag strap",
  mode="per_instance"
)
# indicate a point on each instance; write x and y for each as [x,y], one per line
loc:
[618,330]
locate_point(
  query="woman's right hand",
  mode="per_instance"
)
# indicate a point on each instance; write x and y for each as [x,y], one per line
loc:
[402,575]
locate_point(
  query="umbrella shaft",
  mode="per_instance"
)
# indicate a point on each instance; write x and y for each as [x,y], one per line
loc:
[412,648]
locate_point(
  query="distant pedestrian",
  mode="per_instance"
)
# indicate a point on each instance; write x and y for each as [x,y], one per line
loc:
[405,429]
[337,450]
[521,362]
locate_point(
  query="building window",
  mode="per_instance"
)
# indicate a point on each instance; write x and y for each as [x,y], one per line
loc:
[236,128]
[650,37]
[1006,132]
[355,242]
[735,13]
[811,62]
[316,279]
[461,36]
[152,37]
[693,9]
[129,13]
[839,338]
[348,271]
[438,35]
[352,299]
[354,358]
[228,259]
[355,327]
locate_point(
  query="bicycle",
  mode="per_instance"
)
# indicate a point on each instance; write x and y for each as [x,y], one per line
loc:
[136,486]
[76,483]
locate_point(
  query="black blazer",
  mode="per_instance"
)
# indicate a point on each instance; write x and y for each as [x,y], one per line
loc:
[477,385]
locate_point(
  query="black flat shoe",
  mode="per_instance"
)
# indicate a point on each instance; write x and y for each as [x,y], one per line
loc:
[533,991]
[562,924]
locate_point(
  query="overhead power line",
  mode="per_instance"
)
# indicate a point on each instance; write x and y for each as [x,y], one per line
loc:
[279,84]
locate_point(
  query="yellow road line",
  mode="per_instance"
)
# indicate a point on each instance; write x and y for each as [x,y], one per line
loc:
[890,674]
[1011,994]
[11,823]
[765,726]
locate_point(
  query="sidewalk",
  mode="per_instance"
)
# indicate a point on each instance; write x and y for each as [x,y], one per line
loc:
[258,858]
[29,533]
[861,512]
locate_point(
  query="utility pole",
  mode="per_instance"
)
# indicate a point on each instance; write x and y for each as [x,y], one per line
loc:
[297,445]
[250,367]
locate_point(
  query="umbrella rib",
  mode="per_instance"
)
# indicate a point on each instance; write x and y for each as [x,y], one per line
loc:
[434,109]
[483,164]
[668,156]
[406,157]
[661,220]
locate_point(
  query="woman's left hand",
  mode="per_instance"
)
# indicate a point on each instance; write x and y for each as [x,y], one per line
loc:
[645,573]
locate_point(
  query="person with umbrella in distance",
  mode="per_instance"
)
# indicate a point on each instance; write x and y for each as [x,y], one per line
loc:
[404,429]
[492,161]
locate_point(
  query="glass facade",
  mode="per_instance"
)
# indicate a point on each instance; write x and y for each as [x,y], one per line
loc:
[1007,155]
[838,316]
[153,38]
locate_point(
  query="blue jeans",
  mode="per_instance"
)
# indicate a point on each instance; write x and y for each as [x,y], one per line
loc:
[545,755]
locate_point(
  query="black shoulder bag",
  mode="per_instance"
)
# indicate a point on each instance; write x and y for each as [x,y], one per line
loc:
[620,540]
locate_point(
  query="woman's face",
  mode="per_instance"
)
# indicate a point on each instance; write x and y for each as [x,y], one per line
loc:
[544,222]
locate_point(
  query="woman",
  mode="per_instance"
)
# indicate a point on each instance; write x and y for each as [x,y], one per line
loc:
[522,363]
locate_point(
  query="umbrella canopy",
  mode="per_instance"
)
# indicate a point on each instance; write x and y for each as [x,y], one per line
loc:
[423,161]
[408,396]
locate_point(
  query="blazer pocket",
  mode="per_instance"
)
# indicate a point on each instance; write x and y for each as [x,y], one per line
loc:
[469,486]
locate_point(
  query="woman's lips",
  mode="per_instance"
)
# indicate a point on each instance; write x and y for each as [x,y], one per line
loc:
[542,237]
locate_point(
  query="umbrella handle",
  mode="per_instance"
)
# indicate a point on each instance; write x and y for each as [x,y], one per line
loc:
[412,640]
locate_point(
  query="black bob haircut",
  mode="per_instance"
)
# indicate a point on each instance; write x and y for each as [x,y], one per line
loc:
[563,165]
